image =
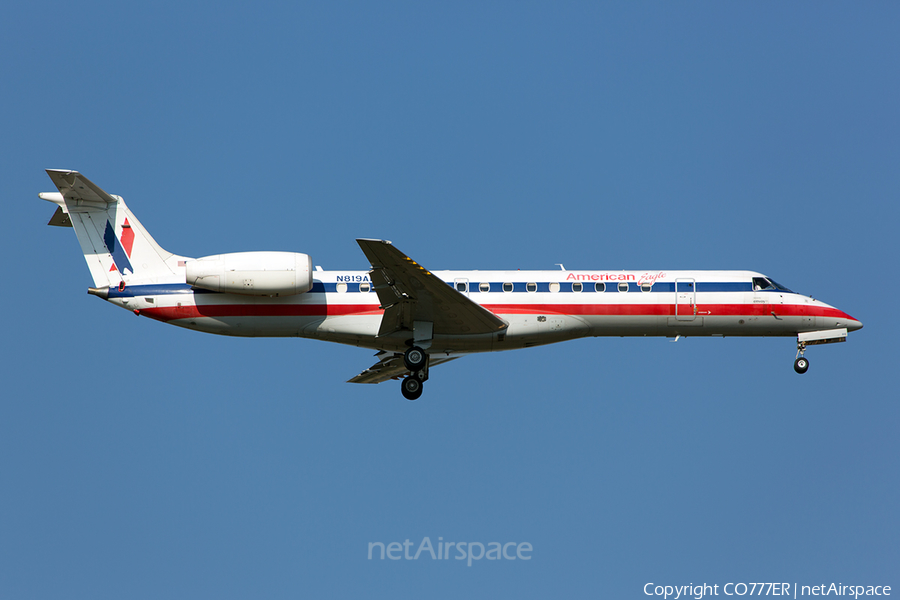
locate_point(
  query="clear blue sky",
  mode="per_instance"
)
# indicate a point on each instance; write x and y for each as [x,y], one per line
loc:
[144,461]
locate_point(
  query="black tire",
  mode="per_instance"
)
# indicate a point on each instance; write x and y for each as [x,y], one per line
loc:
[415,359]
[411,388]
[801,365]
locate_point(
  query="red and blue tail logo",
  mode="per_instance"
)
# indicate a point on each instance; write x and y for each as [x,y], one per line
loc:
[120,249]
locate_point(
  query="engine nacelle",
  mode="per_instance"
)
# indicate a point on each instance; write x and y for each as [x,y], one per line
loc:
[252,273]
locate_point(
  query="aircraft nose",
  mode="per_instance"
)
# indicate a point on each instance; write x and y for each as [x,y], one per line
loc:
[853,324]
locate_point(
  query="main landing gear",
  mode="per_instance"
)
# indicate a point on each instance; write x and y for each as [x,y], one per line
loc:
[801,364]
[416,360]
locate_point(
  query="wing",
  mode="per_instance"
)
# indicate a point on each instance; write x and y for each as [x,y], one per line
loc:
[391,367]
[408,292]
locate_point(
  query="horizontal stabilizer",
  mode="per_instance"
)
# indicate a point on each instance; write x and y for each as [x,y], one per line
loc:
[79,191]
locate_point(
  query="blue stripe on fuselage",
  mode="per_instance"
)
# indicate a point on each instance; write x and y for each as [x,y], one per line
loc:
[158,289]
[611,286]
[320,287]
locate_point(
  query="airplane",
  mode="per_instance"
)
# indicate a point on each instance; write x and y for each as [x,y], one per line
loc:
[415,318]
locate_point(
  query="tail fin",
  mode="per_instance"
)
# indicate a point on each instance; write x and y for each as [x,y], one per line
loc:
[116,246]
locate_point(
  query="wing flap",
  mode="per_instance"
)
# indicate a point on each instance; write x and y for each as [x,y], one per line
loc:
[391,366]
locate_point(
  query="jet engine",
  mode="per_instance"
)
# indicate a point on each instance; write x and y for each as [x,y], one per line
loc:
[252,273]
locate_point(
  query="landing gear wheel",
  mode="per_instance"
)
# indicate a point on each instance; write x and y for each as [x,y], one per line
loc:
[801,365]
[411,388]
[415,359]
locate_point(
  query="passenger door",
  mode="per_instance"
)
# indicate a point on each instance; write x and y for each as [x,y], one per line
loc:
[685,299]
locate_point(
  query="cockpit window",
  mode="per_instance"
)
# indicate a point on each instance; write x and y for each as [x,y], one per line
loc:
[764,283]
[761,283]
[780,287]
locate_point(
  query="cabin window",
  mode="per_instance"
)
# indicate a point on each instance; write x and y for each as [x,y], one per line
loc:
[462,286]
[646,287]
[577,286]
[364,287]
[507,287]
[554,286]
[623,286]
[341,288]
[531,287]
[600,287]
[484,287]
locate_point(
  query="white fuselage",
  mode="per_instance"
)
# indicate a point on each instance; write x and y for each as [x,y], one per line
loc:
[540,307]
[414,317]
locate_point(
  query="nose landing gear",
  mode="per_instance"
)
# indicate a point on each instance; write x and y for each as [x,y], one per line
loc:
[812,338]
[801,364]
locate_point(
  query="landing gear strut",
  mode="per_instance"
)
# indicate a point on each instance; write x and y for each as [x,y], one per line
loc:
[416,360]
[801,364]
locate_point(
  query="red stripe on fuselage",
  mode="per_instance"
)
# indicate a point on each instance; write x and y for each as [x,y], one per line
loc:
[171,313]
[712,310]
[329,310]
